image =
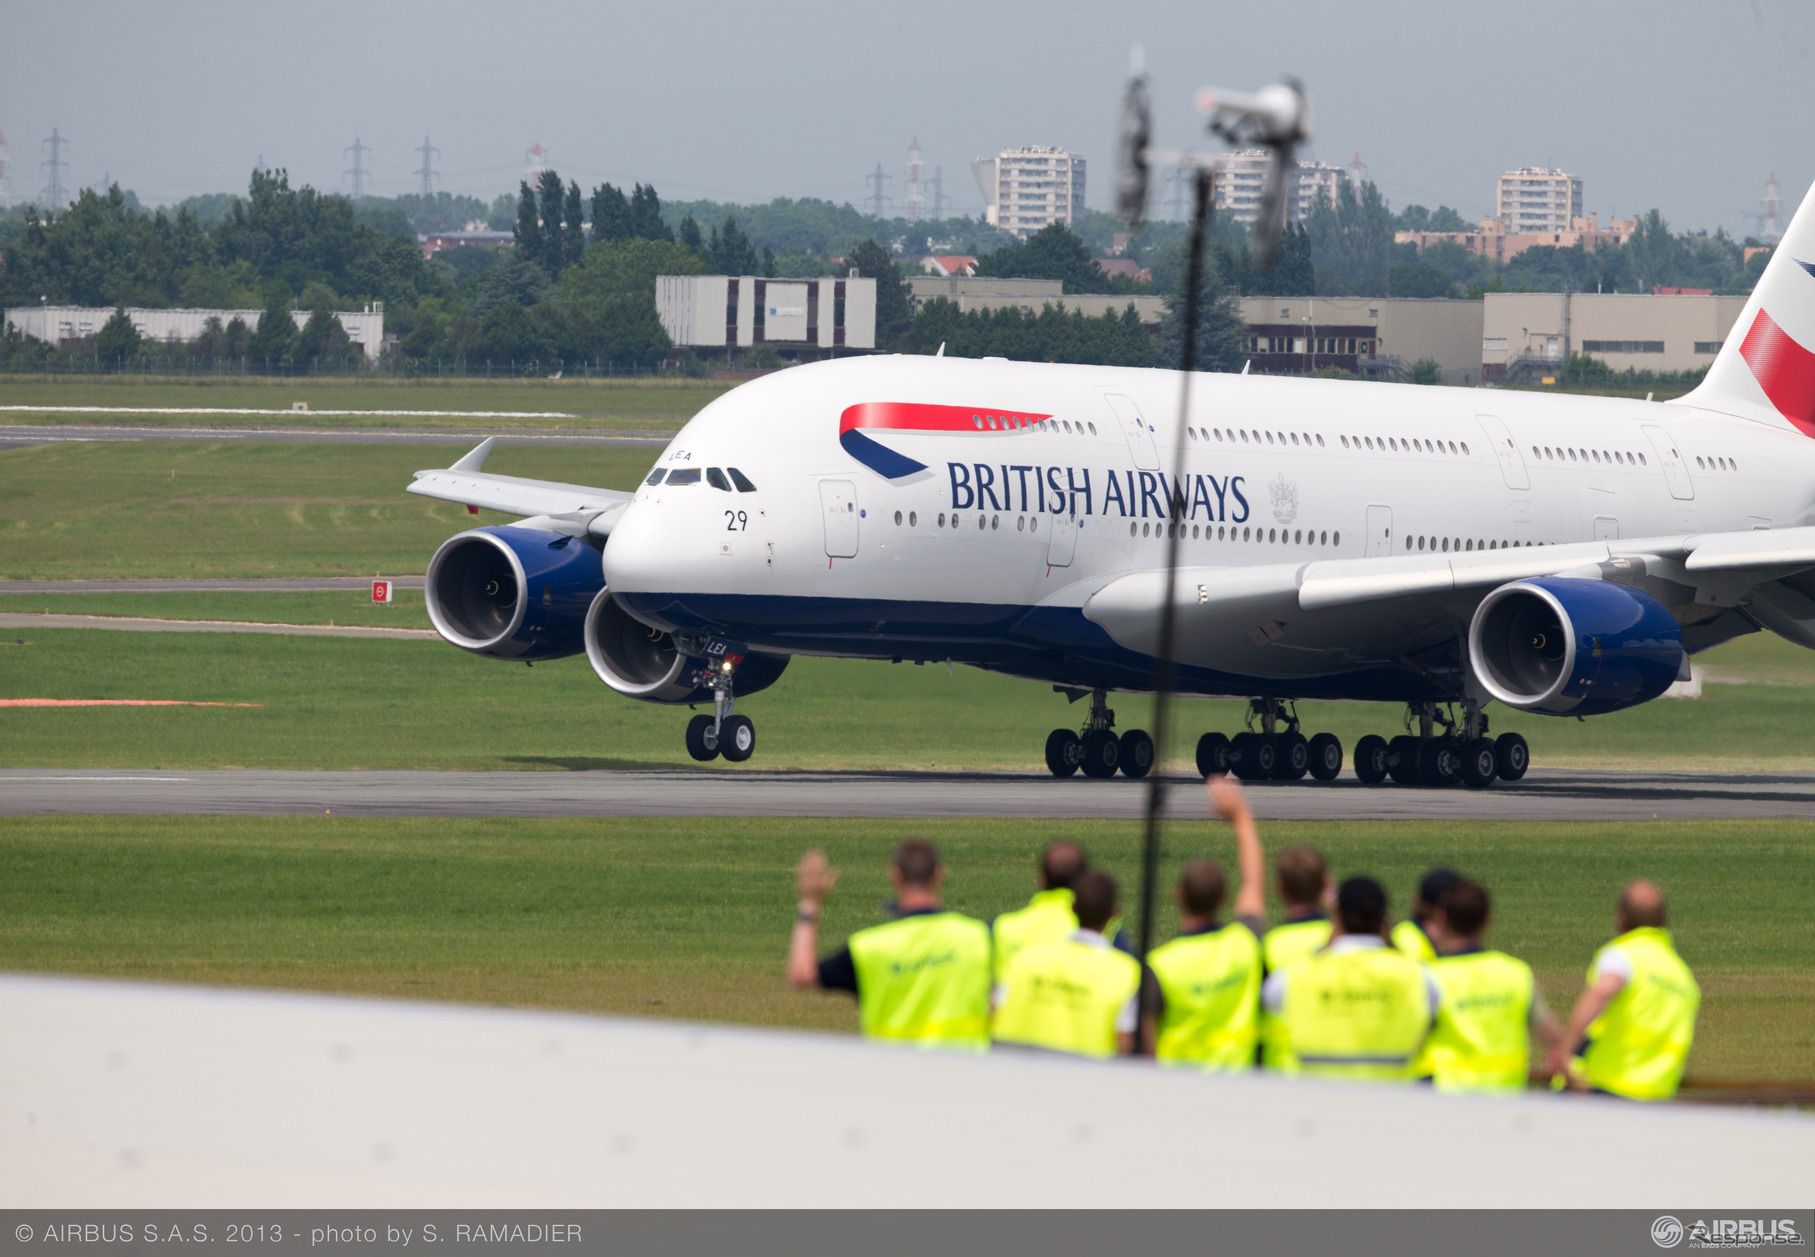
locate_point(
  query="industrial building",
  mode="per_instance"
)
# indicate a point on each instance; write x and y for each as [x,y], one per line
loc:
[1240,176]
[62,324]
[737,311]
[1030,295]
[1528,333]
[1381,337]
[1025,189]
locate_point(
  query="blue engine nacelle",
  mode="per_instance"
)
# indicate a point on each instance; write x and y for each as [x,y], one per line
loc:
[514,593]
[642,662]
[1574,647]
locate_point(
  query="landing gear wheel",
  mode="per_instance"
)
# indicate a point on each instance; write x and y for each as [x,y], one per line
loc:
[1438,763]
[1260,758]
[1136,754]
[1511,756]
[1241,755]
[737,739]
[702,738]
[1326,756]
[1480,764]
[1402,760]
[1063,752]
[1212,754]
[1099,754]
[1371,760]
[1294,756]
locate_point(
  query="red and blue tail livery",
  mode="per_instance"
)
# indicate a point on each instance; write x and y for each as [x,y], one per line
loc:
[906,417]
[1784,368]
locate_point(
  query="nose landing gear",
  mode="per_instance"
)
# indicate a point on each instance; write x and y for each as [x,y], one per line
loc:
[723,732]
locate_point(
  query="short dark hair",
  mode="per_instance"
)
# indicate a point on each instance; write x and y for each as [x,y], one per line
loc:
[1302,873]
[1061,863]
[1361,903]
[1435,882]
[1202,887]
[1466,907]
[1093,899]
[917,860]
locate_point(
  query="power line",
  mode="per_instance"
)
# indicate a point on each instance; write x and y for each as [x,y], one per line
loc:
[358,170]
[53,191]
[427,173]
[878,199]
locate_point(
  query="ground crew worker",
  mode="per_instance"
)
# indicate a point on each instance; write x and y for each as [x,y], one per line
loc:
[921,979]
[1636,1019]
[1358,1009]
[1491,1007]
[1048,914]
[1203,1006]
[1413,935]
[1075,994]
[1302,881]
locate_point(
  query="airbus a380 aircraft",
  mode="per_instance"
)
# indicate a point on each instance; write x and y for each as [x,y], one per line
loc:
[1439,547]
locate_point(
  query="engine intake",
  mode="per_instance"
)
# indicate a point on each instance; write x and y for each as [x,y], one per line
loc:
[642,662]
[1574,647]
[514,593]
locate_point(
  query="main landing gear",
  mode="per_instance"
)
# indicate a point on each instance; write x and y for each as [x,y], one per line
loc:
[1270,753]
[1095,750]
[721,733]
[1462,752]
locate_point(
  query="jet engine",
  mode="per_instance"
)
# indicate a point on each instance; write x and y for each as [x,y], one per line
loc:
[1574,647]
[642,662]
[514,593]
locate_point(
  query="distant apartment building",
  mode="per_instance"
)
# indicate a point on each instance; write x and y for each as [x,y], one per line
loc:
[1496,242]
[1532,201]
[1025,189]
[1241,176]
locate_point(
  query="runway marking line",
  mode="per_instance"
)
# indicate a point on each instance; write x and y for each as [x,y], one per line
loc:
[114,702]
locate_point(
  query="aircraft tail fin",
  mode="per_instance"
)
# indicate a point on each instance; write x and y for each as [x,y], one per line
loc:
[1766,368]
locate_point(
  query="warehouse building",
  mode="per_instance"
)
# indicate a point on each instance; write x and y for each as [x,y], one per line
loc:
[1379,337]
[810,317]
[60,325]
[1528,334]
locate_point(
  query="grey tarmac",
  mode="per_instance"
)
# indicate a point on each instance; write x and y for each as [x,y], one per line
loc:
[16,436]
[1555,794]
[256,585]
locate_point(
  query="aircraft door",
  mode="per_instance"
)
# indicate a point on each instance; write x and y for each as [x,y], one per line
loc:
[1512,464]
[1380,531]
[1675,471]
[1134,427]
[1063,542]
[838,503]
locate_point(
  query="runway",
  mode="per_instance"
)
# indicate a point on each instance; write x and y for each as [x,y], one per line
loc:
[257,585]
[1554,794]
[17,436]
[132,624]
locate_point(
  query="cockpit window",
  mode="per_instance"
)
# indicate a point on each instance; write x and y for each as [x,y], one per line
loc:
[683,475]
[742,481]
[716,479]
[655,477]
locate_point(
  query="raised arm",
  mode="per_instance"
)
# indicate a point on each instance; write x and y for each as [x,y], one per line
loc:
[814,880]
[1231,804]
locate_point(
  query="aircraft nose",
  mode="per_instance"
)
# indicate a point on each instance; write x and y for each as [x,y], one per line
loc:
[636,561]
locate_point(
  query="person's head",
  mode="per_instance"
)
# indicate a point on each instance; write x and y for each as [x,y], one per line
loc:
[1201,887]
[1641,905]
[1093,899]
[1060,865]
[915,867]
[1430,891]
[1360,906]
[1461,913]
[1302,876]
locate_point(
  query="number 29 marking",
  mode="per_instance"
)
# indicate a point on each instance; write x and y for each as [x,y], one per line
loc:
[735,521]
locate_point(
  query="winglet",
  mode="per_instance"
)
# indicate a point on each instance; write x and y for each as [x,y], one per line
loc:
[475,459]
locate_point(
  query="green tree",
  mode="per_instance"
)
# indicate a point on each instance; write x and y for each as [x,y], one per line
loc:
[1419,280]
[1427,371]
[1418,218]
[1291,274]
[118,339]
[646,215]
[322,341]
[1351,241]
[610,214]
[609,300]
[894,309]
[1651,252]
[549,197]
[1053,252]
[690,236]
[1222,336]
[275,337]
[573,231]
[729,252]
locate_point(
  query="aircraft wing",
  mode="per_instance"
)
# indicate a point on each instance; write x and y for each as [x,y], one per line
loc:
[574,509]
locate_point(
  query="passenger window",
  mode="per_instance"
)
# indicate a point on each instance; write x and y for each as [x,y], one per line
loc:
[683,475]
[716,479]
[655,477]
[742,481]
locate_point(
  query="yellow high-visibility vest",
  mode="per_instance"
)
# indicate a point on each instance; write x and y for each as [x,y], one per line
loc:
[924,980]
[1211,984]
[1482,1039]
[1640,1043]
[1356,1014]
[1411,939]
[1047,916]
[1279,948]
[1065,996]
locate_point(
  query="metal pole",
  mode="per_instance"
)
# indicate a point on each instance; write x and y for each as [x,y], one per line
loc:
[1175,531]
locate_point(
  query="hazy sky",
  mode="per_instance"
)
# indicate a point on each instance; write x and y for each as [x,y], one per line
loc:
[1687,105]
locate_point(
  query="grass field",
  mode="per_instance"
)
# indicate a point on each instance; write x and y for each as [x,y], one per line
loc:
[349,703]
[355,607]
[249,509]
[690,918]
[606,404]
